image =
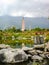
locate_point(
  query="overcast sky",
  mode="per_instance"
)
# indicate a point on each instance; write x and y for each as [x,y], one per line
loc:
[26,8]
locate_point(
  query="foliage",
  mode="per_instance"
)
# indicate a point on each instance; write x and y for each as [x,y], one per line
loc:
[37,29]
[13,36]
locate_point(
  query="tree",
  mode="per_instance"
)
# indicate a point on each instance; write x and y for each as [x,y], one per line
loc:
[37,29]
[12,29]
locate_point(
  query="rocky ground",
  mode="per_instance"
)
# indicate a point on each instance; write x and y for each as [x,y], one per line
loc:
[38,53]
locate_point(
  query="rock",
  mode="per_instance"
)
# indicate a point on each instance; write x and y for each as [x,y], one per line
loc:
[3,46]
[47,55]
[26,48]
[42,55]
[21,56]
[39,46]
[8,56]
[12,56]
[29,55]
[32,52]
[38,51]
[36,57]
[2,57]
[35,52]
[47,46]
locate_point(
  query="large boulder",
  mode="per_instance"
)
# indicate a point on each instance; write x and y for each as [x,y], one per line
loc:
[21,56]
[12,56]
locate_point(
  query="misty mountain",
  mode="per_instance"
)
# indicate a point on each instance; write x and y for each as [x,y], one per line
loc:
[9,21]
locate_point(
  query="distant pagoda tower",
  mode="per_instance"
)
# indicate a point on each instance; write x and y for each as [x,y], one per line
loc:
[23,25]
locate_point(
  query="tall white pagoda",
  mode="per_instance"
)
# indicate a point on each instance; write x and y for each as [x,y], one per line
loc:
[23,25]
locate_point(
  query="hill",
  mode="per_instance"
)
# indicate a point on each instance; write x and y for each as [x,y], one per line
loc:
[8,21]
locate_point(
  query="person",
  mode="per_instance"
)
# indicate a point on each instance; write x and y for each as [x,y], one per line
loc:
[38,39]
[41,38]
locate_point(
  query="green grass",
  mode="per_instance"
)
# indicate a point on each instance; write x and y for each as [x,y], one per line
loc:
[21,37]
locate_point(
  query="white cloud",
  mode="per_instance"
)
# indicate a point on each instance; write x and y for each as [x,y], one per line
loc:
[44,1]
[28,15]
[6,2]
[26,8]
[16,13]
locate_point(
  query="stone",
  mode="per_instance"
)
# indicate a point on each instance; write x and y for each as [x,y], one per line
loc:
[12,56]
[27,49]
[36,57]
[42,55]
[39,46]
[21,56]
[32,52]
[47,46]
[47,55]
[3,46]
[38,51]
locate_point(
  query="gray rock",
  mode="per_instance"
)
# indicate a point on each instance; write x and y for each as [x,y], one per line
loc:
[36,57]
[26,48]
[47,55]
[38,51]
[33,52]
[42,55]
[47,46]
[39,46]
[3,46]
[21,56]
[12,56]
[2,57]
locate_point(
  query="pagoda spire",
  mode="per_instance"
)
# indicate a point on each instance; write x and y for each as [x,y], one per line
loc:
[23,24]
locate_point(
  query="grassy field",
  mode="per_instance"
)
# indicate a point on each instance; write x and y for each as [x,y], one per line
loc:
[13,36]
